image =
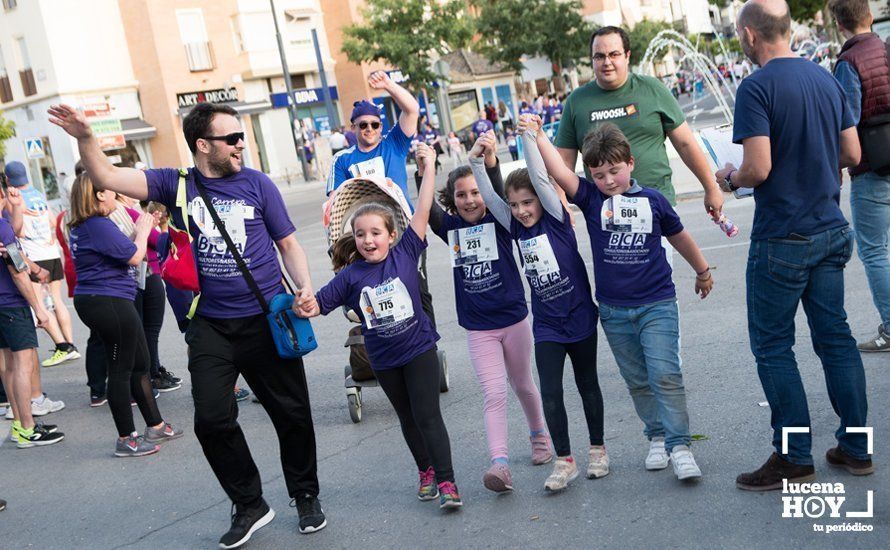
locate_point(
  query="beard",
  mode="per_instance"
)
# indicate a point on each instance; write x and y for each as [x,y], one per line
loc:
[222,165]
[748,50]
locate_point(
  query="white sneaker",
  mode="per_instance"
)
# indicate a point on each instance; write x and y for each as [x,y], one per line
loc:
[684,463]
[657,459]
[564,471]
[45,406]
[9,414]
[598,462]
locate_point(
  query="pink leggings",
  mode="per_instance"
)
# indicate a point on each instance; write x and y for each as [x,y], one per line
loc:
[499,356]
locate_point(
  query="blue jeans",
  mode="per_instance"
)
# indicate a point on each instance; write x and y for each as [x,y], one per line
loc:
[645,341]
[870,203]
[810,269]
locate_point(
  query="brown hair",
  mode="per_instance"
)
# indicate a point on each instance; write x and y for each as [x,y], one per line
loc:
[344,251]
[446,194]
[603,144]
[851,14]
[84,203]
[519,179]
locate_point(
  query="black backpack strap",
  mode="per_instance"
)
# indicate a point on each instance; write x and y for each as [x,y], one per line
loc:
[251,282]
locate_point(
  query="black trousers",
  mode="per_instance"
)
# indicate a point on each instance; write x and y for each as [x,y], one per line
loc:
[220,349]
[150,303]
[426,299]
[97,370]
[117,325]
[550,358]
[413,390]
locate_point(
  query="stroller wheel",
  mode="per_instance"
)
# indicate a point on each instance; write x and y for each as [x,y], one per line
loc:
[354,401]
[444,377]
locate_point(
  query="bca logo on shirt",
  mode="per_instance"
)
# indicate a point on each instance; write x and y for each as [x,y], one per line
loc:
[616,112]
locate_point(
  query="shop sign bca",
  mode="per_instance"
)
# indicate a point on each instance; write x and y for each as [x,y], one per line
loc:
[222,95]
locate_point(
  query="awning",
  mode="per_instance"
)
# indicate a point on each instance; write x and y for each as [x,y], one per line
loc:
[243,107]
[136,128]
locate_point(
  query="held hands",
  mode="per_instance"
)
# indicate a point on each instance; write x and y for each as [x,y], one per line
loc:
[146,223]
[305,304]
[379,80]
[426,158]
[486,145]
[721,177]
[70,120]
[704,283]
[529,123]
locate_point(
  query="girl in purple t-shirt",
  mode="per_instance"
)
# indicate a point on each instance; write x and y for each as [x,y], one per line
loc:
[565,316]
[382,283]
[491,306]
[104,259]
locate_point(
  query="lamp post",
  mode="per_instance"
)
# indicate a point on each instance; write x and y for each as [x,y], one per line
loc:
[291,107]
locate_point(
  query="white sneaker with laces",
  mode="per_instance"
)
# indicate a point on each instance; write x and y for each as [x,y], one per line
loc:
[684,463]
[45,406]
[598,462]
[657,459]
[9,414]
[564,471]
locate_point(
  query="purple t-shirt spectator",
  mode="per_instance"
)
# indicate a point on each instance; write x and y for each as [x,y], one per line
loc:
[629,264]
[487,286]
[386,295]
[481,126]
[351,140]
[100,252]
[562,306]
[255,216]
[10,296]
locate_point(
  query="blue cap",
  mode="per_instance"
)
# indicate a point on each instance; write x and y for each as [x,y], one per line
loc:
[16,174]
[362,108]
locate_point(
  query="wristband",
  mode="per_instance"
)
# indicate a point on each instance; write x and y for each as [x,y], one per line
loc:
[728,180]
[705,270]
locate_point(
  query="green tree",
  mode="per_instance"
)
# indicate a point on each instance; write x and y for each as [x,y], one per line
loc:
[805,10]
[509,30]
[642,34]
[408,34]
[7,130]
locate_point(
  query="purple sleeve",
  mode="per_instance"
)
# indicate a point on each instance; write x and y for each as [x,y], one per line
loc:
[333,295]
[448,223]
[411,245]
[668,219]
[582,195]
[274,212]
[162,184]
[114,244]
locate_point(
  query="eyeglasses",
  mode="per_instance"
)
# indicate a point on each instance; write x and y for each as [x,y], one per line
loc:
[613,56]
[364,125]
[231,139]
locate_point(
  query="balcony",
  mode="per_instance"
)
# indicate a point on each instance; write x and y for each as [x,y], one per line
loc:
[28,83]
[5,90]
[200,56]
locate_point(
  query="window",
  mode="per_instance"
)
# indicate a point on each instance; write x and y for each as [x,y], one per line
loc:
[26,74]
[5,88]
[198,49]
[9,4]
[298,81]
[298,29]
[237,36]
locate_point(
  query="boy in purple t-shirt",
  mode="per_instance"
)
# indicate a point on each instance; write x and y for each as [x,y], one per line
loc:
[636,295]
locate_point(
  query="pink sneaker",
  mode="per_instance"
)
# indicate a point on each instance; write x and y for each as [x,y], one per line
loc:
[541,453]
[427,489]
[498,478]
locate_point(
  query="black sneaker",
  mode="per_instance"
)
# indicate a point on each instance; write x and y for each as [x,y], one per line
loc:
[246,521]
[48,428]
[97,400]
[164,385]
[39,438]
[311,515]
[2,505]
[169,375]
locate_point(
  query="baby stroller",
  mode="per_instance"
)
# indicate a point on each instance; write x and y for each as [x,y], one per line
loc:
[338,212]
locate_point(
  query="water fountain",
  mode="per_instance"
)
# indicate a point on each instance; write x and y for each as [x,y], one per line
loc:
[672,39]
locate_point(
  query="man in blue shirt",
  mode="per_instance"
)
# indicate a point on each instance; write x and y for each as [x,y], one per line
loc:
[793,123]
[376,156]
[863,69]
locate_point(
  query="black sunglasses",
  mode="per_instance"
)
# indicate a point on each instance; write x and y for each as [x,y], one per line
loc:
[231,139]
[374,125]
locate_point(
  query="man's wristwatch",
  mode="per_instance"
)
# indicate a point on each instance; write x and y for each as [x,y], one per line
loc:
[728,181]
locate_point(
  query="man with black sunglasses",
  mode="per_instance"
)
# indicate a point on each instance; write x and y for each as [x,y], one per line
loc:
[374,155]
[229,334]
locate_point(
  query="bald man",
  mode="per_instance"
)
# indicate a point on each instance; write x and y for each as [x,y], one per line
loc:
[792,120]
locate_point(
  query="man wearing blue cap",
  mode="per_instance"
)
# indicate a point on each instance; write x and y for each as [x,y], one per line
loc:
[374,155]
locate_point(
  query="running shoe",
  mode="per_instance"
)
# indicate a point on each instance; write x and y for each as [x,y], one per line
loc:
[427,489]
[657,459]
[541,453]
[161,384]
[241,394]
[8,415]
[59,356]
[48,428]
[448,497]
[311,515]
[684,463]
[245,522]
[3,410]
[97,400]
[598,462]
[498,478]
[564,472]
[165,433]
[14,433]
[2,505]
[169,375]
[877,344]
[38,437]
[134,445]
[44,405]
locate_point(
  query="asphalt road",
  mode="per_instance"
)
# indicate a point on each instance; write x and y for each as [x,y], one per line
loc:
[76,495]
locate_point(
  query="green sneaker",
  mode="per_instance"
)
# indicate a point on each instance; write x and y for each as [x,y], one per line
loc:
[59,357]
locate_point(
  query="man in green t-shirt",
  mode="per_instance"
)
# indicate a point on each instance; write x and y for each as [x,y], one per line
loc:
[644,109]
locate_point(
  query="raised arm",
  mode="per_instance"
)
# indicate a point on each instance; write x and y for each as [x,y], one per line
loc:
[437,214]
[379,80]
[127,181]
[494,203]
[15,206]
[529,125]
[564,177]
[426,163]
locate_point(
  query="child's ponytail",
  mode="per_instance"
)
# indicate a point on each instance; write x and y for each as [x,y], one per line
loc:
[344,252]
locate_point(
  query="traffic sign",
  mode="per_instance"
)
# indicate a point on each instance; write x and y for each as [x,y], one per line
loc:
[34,147]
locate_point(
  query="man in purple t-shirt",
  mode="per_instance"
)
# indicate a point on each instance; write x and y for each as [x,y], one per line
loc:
[229,334]
[482,125]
